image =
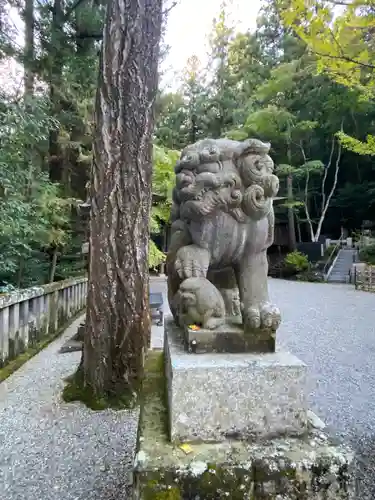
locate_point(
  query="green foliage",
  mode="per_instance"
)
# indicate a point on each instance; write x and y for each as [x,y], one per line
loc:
[283,82]
[343,46]
[341,40]
[311,276]
[362,148]
[270,122]
[297,261]
[367,254]
[155,256]
[32,214]
[163,181]
[163,178]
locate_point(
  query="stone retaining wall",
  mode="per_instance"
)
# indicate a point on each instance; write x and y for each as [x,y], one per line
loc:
[29,315]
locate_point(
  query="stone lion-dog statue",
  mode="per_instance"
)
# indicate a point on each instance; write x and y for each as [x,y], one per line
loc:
[222,224]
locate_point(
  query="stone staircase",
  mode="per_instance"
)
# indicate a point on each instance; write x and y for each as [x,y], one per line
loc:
[339,273]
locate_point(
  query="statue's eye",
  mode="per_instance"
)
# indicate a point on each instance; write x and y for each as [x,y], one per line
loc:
[212,151]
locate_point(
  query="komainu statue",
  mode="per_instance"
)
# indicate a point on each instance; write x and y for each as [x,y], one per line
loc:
[222,224]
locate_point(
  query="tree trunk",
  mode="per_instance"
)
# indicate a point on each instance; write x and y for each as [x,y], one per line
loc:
[299,229]
[52,269]
[56,162]
[28,82]
[118,321]
[29,50]
[292,231]
[289,187]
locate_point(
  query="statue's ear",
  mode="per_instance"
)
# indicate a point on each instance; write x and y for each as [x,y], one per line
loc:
[253,146]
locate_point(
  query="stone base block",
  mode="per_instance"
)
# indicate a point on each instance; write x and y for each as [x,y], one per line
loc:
[212,397]
[230,338]
[309,468]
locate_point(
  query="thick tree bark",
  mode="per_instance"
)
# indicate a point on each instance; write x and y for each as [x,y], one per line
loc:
[117,310]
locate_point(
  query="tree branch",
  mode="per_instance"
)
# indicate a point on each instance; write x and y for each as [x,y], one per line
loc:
[85,34]
[347,59]
[333,188]
[167,11]
[306,191]
[326,173]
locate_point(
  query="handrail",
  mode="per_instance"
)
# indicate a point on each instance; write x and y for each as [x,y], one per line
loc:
[330,259]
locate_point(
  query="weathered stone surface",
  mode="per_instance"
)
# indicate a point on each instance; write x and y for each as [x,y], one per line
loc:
[212,397]
[35,314]
[37,291]
[229,337]
[286,468]
[222,224]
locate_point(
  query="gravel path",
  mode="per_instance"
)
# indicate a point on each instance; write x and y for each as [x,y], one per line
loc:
[50,450]
[53,451]
[332,329]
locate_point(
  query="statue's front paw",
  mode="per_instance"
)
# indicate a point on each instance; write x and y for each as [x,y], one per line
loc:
[263,316]
[213,323]
[192,261]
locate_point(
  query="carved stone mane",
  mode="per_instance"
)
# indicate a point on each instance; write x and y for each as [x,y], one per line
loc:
[226,175]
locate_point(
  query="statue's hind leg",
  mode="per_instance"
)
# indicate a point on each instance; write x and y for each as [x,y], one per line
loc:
[226,282]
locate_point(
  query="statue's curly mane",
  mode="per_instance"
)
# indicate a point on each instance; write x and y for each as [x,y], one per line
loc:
[224,175]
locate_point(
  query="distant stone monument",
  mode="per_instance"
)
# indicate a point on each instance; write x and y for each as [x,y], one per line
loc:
[228,417]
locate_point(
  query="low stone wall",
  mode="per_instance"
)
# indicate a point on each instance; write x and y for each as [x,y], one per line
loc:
[28,316]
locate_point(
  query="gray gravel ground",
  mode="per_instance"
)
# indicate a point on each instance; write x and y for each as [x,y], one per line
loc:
[332,329]
[53,451]
[50,450]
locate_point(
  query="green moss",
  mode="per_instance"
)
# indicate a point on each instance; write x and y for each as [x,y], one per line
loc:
[154,417]
[154,492]
[12,365]
[217,482]
[118,399]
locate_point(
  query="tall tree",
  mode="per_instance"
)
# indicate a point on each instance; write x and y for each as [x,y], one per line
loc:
[194,93]
[117,305]
[343,43]
[222,95]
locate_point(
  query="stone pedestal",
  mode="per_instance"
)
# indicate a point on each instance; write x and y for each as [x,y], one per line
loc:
[213,397]
[229,337]
[233,425]
[308,467]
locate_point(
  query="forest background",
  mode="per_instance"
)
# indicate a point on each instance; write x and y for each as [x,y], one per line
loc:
[307,87]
